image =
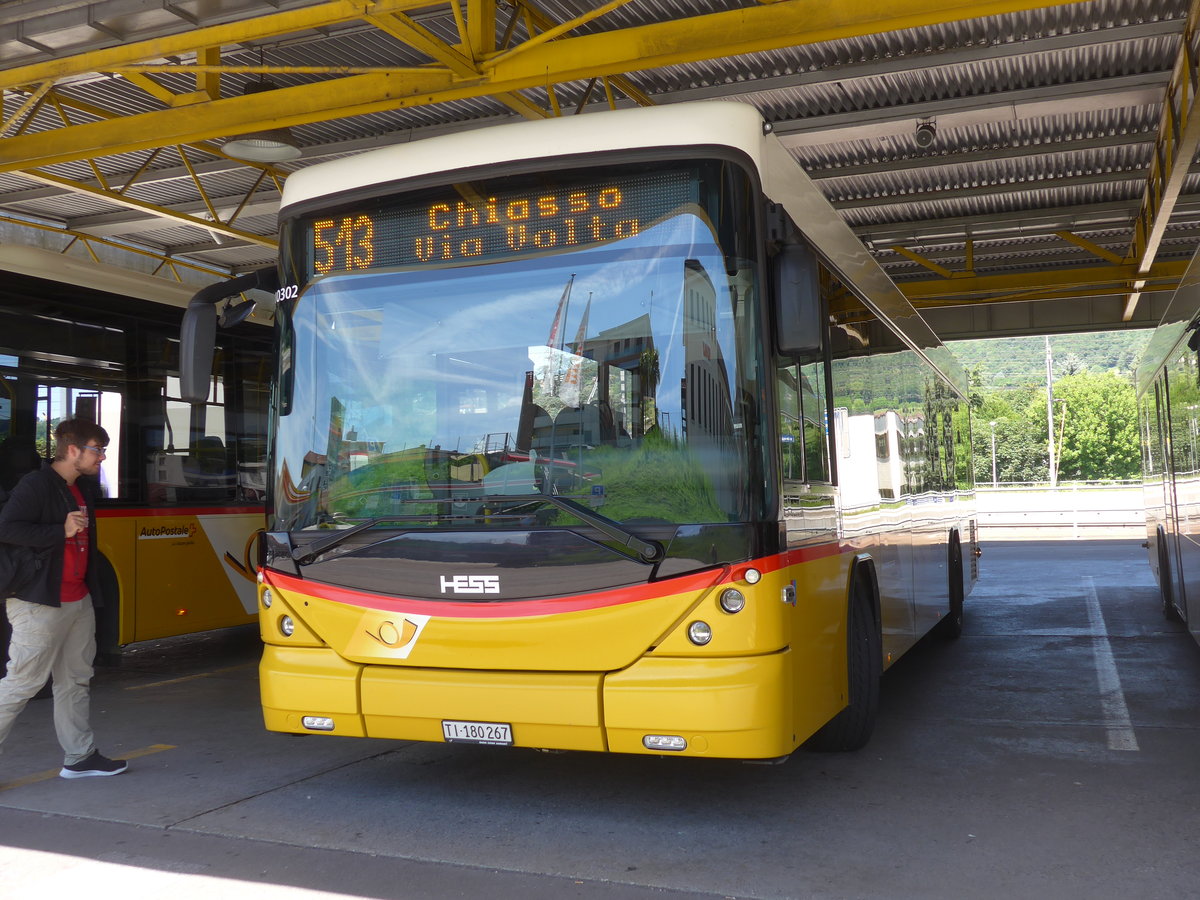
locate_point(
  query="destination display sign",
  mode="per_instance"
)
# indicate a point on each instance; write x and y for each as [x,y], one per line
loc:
[465,225]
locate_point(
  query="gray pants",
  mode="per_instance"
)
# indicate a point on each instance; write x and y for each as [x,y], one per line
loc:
[58,641]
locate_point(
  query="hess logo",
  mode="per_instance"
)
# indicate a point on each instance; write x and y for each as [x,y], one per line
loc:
[471,584]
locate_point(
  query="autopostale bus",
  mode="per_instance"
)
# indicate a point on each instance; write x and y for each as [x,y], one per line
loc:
[1168,390]
[183,485]
[601,433]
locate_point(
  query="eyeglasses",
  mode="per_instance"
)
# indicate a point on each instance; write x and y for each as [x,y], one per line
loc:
[99,451]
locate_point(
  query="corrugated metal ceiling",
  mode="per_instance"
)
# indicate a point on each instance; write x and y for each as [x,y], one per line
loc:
[1045,121]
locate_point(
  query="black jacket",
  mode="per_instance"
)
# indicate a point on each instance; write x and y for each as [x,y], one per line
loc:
[33,516]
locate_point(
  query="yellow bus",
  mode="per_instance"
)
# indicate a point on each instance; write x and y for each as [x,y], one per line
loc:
[183,484]
[600,433]
[1168,389]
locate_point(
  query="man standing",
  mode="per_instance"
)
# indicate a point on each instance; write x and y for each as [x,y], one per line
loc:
[53,623]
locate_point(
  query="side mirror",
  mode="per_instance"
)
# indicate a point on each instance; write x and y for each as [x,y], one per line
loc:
[197,344]
[799,322]
[198,332]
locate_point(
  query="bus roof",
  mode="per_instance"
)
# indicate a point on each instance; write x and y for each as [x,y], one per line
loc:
[711,123]
[1173,328]
[686,124]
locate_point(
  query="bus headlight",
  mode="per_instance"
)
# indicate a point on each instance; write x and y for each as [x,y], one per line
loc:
[286,626]
[267,599]
[733,600]
[699,633]
[752,576]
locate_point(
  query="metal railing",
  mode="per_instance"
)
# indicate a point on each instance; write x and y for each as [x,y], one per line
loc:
[1073,510]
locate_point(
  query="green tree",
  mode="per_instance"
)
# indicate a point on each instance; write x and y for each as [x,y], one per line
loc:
[1021,451]
[1099,427]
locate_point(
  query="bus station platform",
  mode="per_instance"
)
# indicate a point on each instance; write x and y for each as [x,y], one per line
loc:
[1050,751]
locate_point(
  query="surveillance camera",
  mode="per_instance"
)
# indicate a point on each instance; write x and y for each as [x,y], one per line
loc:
[925,134]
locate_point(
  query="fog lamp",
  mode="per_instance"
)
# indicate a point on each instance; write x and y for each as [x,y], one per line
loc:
[733,600]
[699,633]
[317,723]
[664,742]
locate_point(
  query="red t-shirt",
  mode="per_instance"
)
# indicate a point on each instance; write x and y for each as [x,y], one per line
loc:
[74,580]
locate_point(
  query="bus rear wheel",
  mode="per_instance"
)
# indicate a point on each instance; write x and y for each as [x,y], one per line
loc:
[951,625]
[852,727]
[1170,613]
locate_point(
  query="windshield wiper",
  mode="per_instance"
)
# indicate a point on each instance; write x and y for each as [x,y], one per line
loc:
[305,555]
[648,552]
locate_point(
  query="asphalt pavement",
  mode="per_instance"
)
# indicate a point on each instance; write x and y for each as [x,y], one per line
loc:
[1049,752]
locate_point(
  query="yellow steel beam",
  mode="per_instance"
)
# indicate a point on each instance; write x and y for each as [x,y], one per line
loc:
[1052,284]
[1090,247]
[209,82]
[99,112]
[568,58]
[150,208]
[1174,149]
[88,239]
[481,27]
[321,15]
[415,35]
[164,94]
[539,20]
[927,263]
[733,32]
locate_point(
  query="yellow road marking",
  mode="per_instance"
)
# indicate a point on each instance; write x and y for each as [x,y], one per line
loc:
[183,678]
[53,773]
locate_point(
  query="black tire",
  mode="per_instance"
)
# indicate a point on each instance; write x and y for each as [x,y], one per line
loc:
[852,727]
[1170,613]
[950,626]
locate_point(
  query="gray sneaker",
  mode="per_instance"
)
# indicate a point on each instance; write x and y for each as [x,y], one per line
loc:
[96,764]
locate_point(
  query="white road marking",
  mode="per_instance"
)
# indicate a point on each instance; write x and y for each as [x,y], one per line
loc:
[1112,698]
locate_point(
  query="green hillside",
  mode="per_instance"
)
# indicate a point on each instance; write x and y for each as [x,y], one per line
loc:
[1008,363]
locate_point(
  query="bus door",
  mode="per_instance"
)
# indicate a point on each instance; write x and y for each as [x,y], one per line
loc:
[1171,554]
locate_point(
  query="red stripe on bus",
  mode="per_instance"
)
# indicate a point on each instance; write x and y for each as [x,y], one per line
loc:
[513,609]
[122,513]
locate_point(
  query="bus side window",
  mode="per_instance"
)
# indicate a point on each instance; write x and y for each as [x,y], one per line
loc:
[791,423]
[814,409]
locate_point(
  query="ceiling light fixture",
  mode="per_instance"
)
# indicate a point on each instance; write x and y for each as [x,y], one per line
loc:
[269,145]
[926,131]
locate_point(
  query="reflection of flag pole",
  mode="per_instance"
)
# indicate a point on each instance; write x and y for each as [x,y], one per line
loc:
[570,392]
[555,341]
[558,326]
[581,335]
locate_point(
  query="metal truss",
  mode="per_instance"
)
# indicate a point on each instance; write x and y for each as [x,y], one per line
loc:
[506,51]
[471,68]
[89,242]
[1176,147]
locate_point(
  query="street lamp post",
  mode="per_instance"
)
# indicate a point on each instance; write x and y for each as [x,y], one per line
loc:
[993,454]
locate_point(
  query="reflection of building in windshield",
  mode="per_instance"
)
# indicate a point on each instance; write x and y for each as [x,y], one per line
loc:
[707,408]
[705,399]
[612,391]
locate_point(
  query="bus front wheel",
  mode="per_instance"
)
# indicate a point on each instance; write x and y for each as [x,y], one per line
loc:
[852,727]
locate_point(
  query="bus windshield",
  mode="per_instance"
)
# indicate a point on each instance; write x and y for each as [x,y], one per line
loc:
[619,375]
